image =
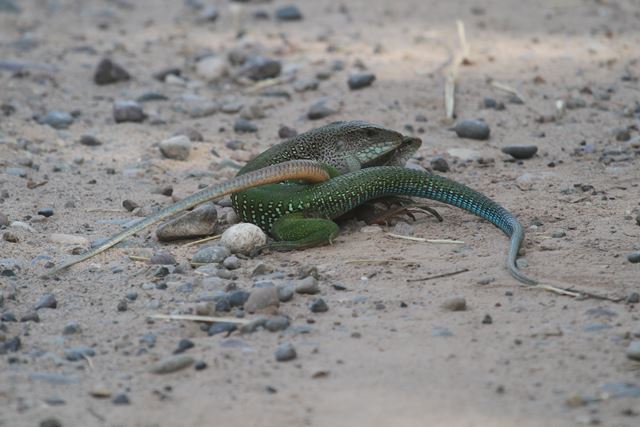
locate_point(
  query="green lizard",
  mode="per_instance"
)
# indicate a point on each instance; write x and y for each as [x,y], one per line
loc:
[364,161]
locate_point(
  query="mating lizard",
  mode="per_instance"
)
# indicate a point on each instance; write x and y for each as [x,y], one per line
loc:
[345,165]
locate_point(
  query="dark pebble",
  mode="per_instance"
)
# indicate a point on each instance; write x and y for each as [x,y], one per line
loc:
[637,219]
[261,68]
[30,317]
[148,339]
[238,298]
[10,237]
[72,327]
[360,80]
[162,258]
[128,111]
[487,320]
[90,141]
[289,13]
[277,323]
[184,345]
[221,327]
[286,132]
[108,72]
[439,164]
[244,126]
[78,353]
[633,298]
[8,316]
[200,365]
[318,305]
[634,258]
[129,205]
[473,129]
[520,151]
[50,422]
[46,301]
[421,118]
[151,96]
[11,345]
[56,119]
[121,399]
[122,305]
[285,352]
[46,212]
[132,296]
[492,104]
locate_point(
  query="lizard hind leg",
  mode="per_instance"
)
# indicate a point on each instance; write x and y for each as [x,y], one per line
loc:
[296,231]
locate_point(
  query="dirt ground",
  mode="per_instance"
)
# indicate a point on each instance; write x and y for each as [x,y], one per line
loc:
[386,352]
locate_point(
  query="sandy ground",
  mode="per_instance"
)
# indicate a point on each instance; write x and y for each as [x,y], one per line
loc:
[386,352]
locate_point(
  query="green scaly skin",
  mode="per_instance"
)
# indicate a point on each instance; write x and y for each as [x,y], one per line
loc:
[299,215]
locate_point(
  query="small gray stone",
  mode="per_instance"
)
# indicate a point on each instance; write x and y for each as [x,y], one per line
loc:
[121,399]
[623,135]
[575,103]
[50,422]
[46,301]
[439,164]
[176,147]
[322,108]
[253,326]
[472,129]
[221,328]
[277,323]
[360,80]
[90,140]
[558,234]
[72,327]
[305,85]
[261,68]
[172,364]
[212,68]
[78,353]
[455,304]
[262,299]
[231,263]
[193,134]
[162,258]
[56,119]
[633,351]
[633,298]
[318,305]
[288,13]
[128,111]
[285,293]
[238,298]
[308,285]
[285,132]
[285,352]
[108,72]
[244,126]
[520,151]
[211,254]
[199,222]
[634,257]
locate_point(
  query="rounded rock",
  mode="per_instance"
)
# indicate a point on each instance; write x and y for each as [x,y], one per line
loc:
[90,140]
[262,299]
[56,119]
[360,80]
[128,111]
[633,350]
[308,285]
[439,164]
[46,301]
[212,68]
[634,257]
[243,238]
[455,304]
[318,305]
[176,148]
[288,13]
[201,221]
[172,364]
[520,152]
[472,129]
[211,254]
[108,72]
[285,352]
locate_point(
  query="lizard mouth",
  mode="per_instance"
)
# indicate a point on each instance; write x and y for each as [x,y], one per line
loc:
[399,155]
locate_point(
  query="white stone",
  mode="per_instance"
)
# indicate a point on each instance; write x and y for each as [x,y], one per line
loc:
[211,68]
[243,238]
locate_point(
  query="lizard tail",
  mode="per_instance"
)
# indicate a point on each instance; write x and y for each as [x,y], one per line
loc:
[306,170]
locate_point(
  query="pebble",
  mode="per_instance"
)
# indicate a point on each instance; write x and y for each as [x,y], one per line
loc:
[45,212]
[212,68]
[238,298]
[243,238]
[50,422]
[439,164]
[262,299]
[72,327]
[176,147]
[193,134]
[575,103]
[487,319]
[277,323]
[455,304]
[493,104]
[151,96]
[162,258]
[520,151]
[285,132]
[56,119]
[10,237]
[285,352]
[308,286]
[318,305]
[90,140]
[184,345]
[632,298]
[288,13]
[231,263]
[285,293]
[200,365]
[634,257]
[172,364]
[69,239]
[558,234]
[261,68]
[46,301]
[244,126]
[305,85]
[623,135]
[472,129]
[100,391]
[30,317]
[360,80]
[108,72]
[633,351]
[128,111]
[253,326]
[122,305]
[11,345]
[201,221]
[211,254]
[121,399]
[323,108]
[78,353]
